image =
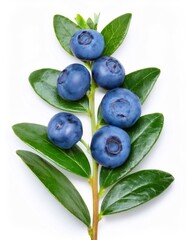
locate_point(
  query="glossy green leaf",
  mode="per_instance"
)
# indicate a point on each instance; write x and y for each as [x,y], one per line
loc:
[115,32]
[72,160]
[134,190]
[81,22]
[142,81]
[64,30]
[143,135]
[44,83]
[58,184]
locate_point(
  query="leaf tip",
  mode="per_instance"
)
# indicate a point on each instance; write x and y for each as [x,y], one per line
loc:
[30,78]
[55,17]
[162,118]
[130,15]
[22,154]
[172,178]
[14,127]
[18,152]
[157,70]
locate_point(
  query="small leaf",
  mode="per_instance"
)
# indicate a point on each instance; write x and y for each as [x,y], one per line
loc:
[100,120]
[134,190]
[143,135]
[115,32]
[58,184]
[90,23]
[64,30]
[81,22]
[96,20]
[142,81]
[72,160]
[44,83]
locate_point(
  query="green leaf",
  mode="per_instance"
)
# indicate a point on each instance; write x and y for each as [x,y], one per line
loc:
[90,23]
[58,184]
[143,135]
[134,190]
[72,160]
[142,81]
[100,120]
[81,22]
[64,30]
[115,32]
[44,83]
[96,20]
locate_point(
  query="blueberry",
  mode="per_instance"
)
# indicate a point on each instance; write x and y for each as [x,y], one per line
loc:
[108,72]
[110,146]
[64,130]
[73,82]
[87,44]
[120,107]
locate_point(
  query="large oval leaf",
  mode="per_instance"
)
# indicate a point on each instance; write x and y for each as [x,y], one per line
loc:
[115,32]
[58,184]
[134,190]
[142,81]
[143,137]
[64,30]
[44,83]
[72,160]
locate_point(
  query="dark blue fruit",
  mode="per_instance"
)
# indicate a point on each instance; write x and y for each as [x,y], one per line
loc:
[110,146]
[87,44]
[120,107]
[64,130]
[108,72]
[73,82]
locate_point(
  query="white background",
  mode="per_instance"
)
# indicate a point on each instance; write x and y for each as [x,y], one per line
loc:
[157,38]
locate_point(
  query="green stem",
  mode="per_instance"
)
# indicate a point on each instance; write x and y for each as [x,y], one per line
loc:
[94,180]
[86,145]
[92,106]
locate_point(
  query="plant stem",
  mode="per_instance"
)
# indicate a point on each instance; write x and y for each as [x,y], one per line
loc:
[94,180]
[95,201]
[86,145]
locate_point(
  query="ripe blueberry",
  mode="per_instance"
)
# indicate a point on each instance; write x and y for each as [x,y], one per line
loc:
[110,146]
[120,107]
[108,72]
[73,82]
[64,130]
[87,44]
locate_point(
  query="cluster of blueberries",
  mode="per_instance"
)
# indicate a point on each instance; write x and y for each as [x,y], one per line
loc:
[120,108]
